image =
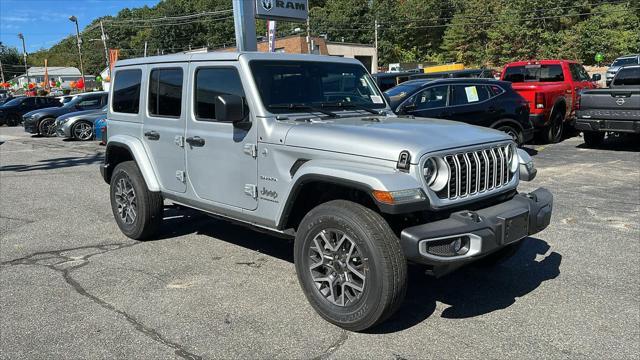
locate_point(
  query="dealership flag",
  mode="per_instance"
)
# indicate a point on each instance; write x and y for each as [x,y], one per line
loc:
[271,34]
[46,75]
[113,57]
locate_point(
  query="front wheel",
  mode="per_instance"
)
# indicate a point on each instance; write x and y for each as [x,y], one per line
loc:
[515,133]
[82,131]
[350,265]
[47,127]
[137,210]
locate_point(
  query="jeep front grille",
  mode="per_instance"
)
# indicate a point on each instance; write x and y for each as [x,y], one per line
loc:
[475,172]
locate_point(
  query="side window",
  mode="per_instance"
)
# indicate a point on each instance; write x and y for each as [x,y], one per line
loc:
[584,75]
[89,102]
[575,73]
[468,94]
[126,91]
[431,98]
[165,92]
[495,90]
[211,82]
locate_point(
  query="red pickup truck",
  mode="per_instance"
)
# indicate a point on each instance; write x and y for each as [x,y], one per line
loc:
[552,88]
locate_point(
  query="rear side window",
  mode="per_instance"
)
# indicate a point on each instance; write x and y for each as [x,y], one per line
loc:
[468,94]
[627,77]
[534,73]
[126,91]
[165,92]
[211,82]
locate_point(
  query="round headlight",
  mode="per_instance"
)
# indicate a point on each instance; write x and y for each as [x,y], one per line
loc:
[512,157]
[436,173]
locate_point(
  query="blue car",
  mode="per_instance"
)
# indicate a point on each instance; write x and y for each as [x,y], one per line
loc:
[100,129]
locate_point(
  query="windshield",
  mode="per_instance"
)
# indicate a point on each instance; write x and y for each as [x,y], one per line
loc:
[13,102]
[534,73]
[401,91]
[625,61]
[72,102]
[313,83]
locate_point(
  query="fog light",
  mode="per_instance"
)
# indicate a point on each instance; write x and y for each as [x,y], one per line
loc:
[460,246]
[456,245]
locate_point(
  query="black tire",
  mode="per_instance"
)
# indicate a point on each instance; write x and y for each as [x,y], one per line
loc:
[593,138]
[84,136]
[147,205]
[382,262]
[552,133]
[46,127]
[500,256]
[13,120]
[513,131]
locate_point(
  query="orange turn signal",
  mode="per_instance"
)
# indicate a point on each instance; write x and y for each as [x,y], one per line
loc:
[384,197]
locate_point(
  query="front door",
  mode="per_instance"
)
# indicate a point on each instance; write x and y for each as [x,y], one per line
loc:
[221,158]
[430,102]
[164,123]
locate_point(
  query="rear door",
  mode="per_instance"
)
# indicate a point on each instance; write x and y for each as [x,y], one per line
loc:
[470,103]
[164,123]
[221,158]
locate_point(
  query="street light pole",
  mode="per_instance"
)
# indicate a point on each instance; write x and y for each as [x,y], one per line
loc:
[74,19]
[24,54]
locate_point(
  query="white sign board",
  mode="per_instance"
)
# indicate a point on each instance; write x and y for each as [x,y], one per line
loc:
[288,10]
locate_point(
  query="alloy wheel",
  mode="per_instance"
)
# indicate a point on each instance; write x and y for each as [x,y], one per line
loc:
[126,201]
[337,267]
[82,131]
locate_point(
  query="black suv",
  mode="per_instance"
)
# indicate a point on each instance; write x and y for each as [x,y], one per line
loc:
[11,112]
[483,102]
[43,121]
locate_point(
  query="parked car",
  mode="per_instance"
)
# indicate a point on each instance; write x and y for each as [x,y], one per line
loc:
[306,147]
[12,111]
[388,80]
[620,62]
[552,88]
[100,129]
[614,110]
[78,125]
[6,98]
[482,102]
[466,73]
[43,121]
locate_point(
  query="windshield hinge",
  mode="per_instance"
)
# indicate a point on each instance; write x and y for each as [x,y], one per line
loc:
[251,150]
[251,190]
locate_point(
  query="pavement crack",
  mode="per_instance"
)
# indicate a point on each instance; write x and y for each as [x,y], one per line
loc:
[65,262]
[344,336]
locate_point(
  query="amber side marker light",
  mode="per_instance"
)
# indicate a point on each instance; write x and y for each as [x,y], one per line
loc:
[399,196]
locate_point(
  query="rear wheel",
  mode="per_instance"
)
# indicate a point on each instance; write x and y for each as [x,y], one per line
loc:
[552,133]
[593,138]
[82,131]
[47,127]
[138,211]
[350,264]
[514,132]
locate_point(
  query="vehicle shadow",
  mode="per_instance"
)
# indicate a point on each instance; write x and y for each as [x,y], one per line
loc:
[616,142]
[473,290]
[57,163]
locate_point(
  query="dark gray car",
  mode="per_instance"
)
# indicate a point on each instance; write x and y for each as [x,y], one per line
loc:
[78,125]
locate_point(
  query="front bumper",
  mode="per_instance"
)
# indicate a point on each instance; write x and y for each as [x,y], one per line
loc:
[626,126]
[30,125]
[484,231]
[63,130]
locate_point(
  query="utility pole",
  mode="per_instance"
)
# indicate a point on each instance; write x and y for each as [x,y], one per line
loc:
[308,37]
[1,71]
[24,54]
[245,25]
[74,19]
[375,41]
[106,49]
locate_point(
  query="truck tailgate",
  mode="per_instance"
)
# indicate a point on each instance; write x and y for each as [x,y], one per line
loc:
[610,104]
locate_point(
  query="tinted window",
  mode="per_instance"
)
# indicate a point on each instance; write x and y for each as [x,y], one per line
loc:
[126,91]
[578,73]
[165,92]
[625,61]
[626,77]
[29,101]
[430,98]
[211,82]
[89,102]
[534,73]
[468,94]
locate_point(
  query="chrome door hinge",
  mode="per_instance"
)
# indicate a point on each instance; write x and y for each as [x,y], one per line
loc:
[251,190]
[180,175]
[179,140]
[251,149]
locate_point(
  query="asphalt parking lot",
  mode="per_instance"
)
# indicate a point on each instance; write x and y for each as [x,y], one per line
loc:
[72,286]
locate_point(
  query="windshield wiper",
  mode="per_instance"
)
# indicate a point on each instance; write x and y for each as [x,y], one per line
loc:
[295,106]
[350,105]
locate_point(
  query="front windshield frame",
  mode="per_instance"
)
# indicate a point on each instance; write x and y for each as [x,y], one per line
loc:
[276,106]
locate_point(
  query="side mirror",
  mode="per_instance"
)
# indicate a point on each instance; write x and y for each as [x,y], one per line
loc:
[528,170]
[596,77]
[231,108]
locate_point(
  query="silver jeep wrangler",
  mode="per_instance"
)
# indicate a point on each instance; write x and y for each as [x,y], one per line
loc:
[306,146]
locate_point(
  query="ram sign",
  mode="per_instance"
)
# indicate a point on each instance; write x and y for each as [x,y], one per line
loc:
[288,10]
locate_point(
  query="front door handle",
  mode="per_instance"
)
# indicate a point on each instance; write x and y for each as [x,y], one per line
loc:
[152,135]
[195,141]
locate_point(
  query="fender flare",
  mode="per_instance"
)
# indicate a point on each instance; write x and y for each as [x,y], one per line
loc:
[361,177]
[140,156]
[560,100]
[508,121]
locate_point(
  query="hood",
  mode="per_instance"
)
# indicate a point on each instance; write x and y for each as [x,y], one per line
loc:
[388,137]
[88,114]
[51,111]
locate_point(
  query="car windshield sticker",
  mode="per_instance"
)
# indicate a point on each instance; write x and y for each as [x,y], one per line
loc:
[376,99]
[472,93]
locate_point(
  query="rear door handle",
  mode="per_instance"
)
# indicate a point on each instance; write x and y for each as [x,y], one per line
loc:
[152,135]
[195,141]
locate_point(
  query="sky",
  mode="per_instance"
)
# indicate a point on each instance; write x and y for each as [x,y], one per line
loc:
[45,22]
